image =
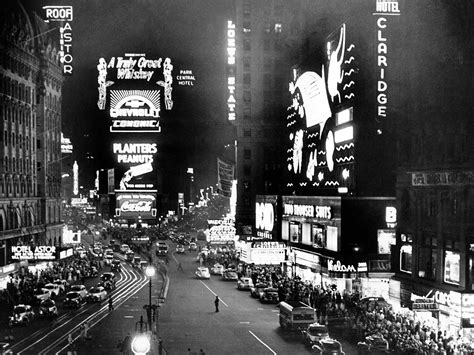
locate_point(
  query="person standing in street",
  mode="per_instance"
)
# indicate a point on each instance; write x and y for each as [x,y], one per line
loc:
[180,267]
[111,304]
[216,303]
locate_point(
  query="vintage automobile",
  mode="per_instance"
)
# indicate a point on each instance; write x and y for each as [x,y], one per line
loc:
[202,272]
[80,289]
[129,255]
[41,294]
[53,289]
[63,285]
[180,249]
[107,280]
[229,275]
[314,333]
[244,283]
[22,314]
[136,261]
[373,344]
[97,294]
[192,246]
[217,269]
[73,300]
[48,309]
[327,346]
[269,295]
[108,259]
[124,248]
[257,289]
[116,265]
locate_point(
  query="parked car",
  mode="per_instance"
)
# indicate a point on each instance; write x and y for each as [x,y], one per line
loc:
[116,265]
[229,275]
[269,295]
[244,283]
[73,300]
[124,248]
[136,261]
[327,346]
[180,249]
[373,344]
[193,246]
[202,273]
[53,289]
[63,285]
[41,294]
[217,269]
[48,309]
[257,289]
[129,255]
[80,289]
[107,280]
[22,314]
[314,333]
[97,294]
[108,259]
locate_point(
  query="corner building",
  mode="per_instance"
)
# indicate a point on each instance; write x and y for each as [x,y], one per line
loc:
[30,107]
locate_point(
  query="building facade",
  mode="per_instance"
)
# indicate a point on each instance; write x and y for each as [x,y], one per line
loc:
[30,108]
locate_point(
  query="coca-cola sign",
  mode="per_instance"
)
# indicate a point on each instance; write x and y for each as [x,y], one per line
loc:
[134,205]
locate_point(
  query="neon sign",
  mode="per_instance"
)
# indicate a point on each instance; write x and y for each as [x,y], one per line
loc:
[136,204]
[129,104]
[322,212]
[75,174]
[231,49]
[264,216]
[338,267]
[42,252]
[66,145]
[321,145]
[63,13]
[383,8]
[135,152]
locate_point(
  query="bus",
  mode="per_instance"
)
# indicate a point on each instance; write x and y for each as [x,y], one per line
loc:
[295,315]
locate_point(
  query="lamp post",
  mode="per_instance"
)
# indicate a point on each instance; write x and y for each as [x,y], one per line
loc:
[149,271]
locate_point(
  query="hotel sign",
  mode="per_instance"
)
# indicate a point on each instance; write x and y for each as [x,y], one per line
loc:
[26,252]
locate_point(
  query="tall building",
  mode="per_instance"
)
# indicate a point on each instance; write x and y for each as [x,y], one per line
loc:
[264,37]
[30,108]
[434,256]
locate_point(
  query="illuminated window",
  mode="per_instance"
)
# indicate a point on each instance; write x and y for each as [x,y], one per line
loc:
[344,116]
[246,27]
[267,27]
[247,46]
[247,132]
[247,153]
[452,262]
[277,27]
[406,259]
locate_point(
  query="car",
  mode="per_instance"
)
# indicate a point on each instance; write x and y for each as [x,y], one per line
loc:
[217,269]
[373,344]
[81,252]
[124,248]
[53,289]
[314,333]
[143,265]
[109,251]
[41,294]
[97,294]
[257,289]
[180,249]
[73,299]
[161,249]
[22,314]
[129,255]
[108,259]
[244,283]
[48,309]
[108,280]
[63,285]
[327,346]
[269,295]
[193,246]
[116,265]
[229,275]
[202,272]
[80,289]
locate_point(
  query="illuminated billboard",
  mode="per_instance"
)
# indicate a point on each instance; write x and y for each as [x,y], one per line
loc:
[135,205]
[137,166]
[266,214]
[231,49]
[320,120]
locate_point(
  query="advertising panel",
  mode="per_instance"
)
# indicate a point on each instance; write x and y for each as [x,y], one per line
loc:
[26,252]
[266,216]
[320,121]
[134,205]
[385,238]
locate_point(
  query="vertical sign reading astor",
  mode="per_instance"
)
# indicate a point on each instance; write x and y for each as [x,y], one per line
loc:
[231,70]
[383,10]
[63,14]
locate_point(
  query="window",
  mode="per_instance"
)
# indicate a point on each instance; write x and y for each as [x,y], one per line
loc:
[247,96]
[246,63]
[246,27]
[267,64]
[247,114]
[246,9]
[267,27]
[247,46]
[247,170]
[246,185]
[247,79]
[277,27]
[452,267]
[247,132]
[406,259]
[247,154]
[427,263]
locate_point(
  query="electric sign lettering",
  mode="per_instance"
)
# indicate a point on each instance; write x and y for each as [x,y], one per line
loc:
[383,8]
[135,152]
[231,49]
[322,212]
[63,14]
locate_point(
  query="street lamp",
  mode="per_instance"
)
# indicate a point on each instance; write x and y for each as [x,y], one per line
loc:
[141,344]
[150,272]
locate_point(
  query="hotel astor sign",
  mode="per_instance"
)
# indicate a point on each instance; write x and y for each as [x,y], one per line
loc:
[26,252]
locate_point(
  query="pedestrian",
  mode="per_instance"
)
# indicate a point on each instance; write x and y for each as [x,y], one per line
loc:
[160,346]
[216,303]
[111,304]
[86,331]
[180,267]
[126,344]
[82,332]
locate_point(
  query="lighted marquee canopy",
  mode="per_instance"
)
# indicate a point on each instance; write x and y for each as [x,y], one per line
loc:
[320,120]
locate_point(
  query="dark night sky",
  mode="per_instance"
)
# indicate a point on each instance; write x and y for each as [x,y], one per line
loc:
[191,33]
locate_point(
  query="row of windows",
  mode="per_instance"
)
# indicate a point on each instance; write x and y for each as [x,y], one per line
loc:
[18,165]
[17,189]
[12,139]
[13,88]
[267,45]
[22,116]
[15,66]
[267,28]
